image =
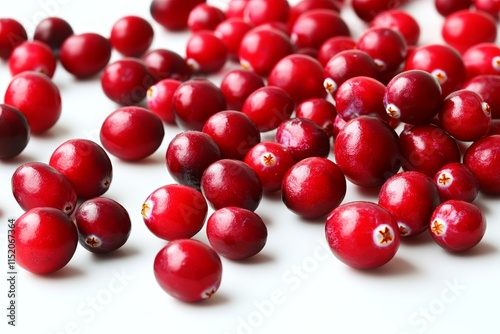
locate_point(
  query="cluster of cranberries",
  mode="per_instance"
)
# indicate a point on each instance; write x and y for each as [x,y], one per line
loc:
[416,122]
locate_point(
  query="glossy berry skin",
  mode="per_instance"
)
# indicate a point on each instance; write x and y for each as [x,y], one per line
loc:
[160,99]
[236,85]
[457,226]
[334,45]
[491,7]
[174,211]
[167,64]
[462,108]
[233,132]
[37,184]
[86,166]
[362,235]
[188,154]
[46,240]
[43,108]
[236,233]
[131,133]
[301,7]
[205,52]
[103,225]
[53,31]
[486,85]
[14,132]
[313,187]
[320,111]
[173,14]
[10,28]
[231,32]
[400,21]
[410,197]
[271,161]
[205,17]
[447,7]
[229,182]
[188,270]
[367,151]
[366,10]
[483,58]
[258,12]
[456,181]
[32,56]
[483,159]
[131,36]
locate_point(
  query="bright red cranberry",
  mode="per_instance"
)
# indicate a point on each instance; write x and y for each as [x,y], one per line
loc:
[466,28]
[205,52]
[12,33]
[338,124]
[103,225]
[167,64]
[313,187]
[43,108]
[401,21]
[46,240]
[486,85]
[231,32]
[271,161]
[301,76]
[236,233]
[53,31]
[260,49]
[456,181]
[410,197]
[86,166]
[172,14]
[258,12]
[447,7]
[457,226]
[303,6]
[491,7]
[195,101]
[131,36]
[174,211]
[229,182]
[483,58]
[188,270]
[235,8]
[236,85]
[366,10]
[427,148]
[85,55]
[132,133]
[483,159]
[320,111]
[205,17]
[440,60]
[37,184]
[367,151]
[268,107]
[233,132]
[14,131]
[32,56]
[363,235]
[462,108]
[189,154]
[160,99]
[334,45]
[303,138]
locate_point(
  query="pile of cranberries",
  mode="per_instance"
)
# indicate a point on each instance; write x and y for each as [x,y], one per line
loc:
[304,108]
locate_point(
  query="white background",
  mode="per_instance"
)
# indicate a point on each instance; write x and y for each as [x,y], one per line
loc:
[295,284]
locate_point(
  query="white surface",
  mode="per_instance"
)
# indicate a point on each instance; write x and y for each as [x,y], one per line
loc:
[294,286]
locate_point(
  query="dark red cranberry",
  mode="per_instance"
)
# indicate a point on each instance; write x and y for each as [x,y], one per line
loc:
[486,85]
[491,7]
[483,159]
[258,12]
[303,6]
[14,132]
[456,181]
[172,14]
[231,32]
[320,111]
[447,7]
[235,8]
[400,21]
[131,36]
[160,99]
[205,52]
[236,85]
[53,31]
[334,45]
[12,33]
[483,58]
[167,64]
[495,127]
[32,56]
[205,17]
[366,10]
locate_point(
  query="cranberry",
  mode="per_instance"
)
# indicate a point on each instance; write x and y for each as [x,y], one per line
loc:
[12,33]
[270,160]
[410,197]
[85,55]
[466,28]
[235,8]
[229,182]
[174,211]
[338,124]
[456,181]
[205,17]
[303,6]
[14,132]
[447,7]
[486,85]
[495,127]
[86,166]
[189,154]
[43,108]
[233,132]
[236,85]
[37,184]
[258,12]
[457,226]
[320,111]
[188,270]
[400,21]
[53,31]
[195,101]
[205,52]
[367,151]
[363,235]
[483,58]
[160,98]
[131,36]
[32,56]
[167,64]
[132,133]
[334,45]
[491,7]
[103,225]
[46,240]
[236,233]
[231,32]
[172,14]
[366,10]
[483,159]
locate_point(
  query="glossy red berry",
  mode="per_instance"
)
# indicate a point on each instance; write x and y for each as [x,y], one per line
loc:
[486,85]
[172,14]
[258,12]
[53,31]
[483,159]
[235,8]
[491,7]
[205,52]
[32,56]
[303,6]
[131,36]
[334,45]
[401,21]
[12,33]
[231,32]
[205,17]
[160,98]
[320,111]
[483,58]
[236,85]
[456,181]
[14,132]
[447,7]
[167,64]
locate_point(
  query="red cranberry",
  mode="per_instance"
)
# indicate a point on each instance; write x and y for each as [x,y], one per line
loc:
[32,56]
[363,235]
[160,98]
[400,21]
[43,108]
[12,33]
[132,133]
[188,270]
[14,132]
[258,12]
[495,127]
[86,166]
[447,7]
[486,85]
[236,233]
[338,124]
[235,8]
[205,17]
[320,111]
[231,32]
[53,31]
[103,225]
[174,211]
[229,182]
[483,159]
[456,181]
[366,10]
[46,240]
[167,64]
[457,226]
[334,45]
[483,58]
[303,6]
[85,55]
[172,14]
[236,85]
[131,36]
[491,7]
[37,184]
[205,52]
